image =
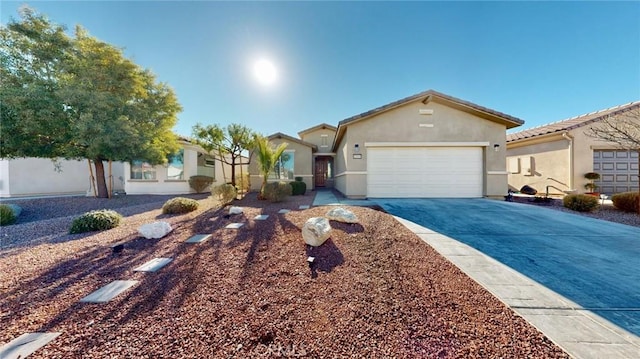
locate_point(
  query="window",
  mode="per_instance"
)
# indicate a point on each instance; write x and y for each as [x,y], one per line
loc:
[142,170]
[206,165]
[175,168]
[283,169]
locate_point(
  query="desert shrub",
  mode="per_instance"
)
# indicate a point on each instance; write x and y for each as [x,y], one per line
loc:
[298,188]
[626,201]
[298,179]
[225,193]
[7,215]
[277,191]
[580,202]
[179,205]
[242,182]
[200,183]
[99,220]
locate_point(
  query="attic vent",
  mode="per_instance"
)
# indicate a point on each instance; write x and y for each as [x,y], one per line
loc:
[425,111]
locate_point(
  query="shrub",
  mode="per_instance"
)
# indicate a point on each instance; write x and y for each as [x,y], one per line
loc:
[179,205]
[298,179]
[580,202]
[7,215]
[225,193]
[200,183]
[242,182]
[626,201]
[298,188]
[96,221]
[277,191]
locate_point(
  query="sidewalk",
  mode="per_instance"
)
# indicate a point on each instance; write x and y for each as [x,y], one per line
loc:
[326,197]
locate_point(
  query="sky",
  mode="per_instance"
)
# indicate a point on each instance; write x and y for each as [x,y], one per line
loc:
[539,61]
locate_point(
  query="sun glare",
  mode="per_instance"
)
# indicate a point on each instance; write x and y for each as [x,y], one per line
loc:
[265,72]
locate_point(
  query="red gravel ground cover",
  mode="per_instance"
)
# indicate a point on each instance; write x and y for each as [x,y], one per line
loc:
[375,291]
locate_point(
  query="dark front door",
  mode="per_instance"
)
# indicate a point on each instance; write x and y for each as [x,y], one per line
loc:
[321,171]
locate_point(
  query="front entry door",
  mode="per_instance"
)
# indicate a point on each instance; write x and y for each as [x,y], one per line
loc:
[321,172]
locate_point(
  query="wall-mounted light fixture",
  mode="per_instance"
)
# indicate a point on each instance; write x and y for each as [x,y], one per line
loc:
[356,148]
[496,147]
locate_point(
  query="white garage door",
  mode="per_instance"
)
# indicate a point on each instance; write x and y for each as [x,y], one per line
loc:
[396,172]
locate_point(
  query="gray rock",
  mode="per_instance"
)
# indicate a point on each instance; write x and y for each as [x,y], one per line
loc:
[155,230]
[316,231]
[235,210]
[15,208]
[342,215]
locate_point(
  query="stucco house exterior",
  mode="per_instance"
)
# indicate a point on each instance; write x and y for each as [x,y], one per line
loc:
[556,156]
[426,145]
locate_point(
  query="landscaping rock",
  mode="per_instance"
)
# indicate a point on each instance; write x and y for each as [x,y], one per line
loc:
[316,231]
[15,208]
[155,230]
[528,190]
[235,210]
[342,215]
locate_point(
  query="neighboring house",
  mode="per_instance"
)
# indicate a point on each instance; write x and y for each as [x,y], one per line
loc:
[555,157]
[173,178]
[426,145]
[27,177]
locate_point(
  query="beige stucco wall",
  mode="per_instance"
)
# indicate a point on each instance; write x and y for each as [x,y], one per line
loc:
[315,137]
[403,125]
[38,177]
[549,165]
[302,164]
[162,185]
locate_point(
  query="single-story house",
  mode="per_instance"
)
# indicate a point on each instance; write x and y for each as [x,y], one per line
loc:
[426,145]
[555,157]
[23,177]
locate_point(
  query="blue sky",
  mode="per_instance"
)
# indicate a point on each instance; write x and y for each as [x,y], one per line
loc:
[539,61]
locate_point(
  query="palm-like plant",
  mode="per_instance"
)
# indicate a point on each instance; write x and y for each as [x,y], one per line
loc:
[267,157]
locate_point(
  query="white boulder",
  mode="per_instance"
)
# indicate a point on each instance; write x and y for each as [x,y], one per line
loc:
[235,210]
[155,230]
[342,215]
[316,231]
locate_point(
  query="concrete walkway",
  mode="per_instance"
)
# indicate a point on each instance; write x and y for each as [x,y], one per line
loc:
[326,197]
[575,279]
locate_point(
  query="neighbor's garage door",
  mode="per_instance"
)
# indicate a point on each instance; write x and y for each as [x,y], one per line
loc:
[618,170]
[424,172]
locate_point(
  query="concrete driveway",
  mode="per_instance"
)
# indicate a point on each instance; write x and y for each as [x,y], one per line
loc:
[595,264]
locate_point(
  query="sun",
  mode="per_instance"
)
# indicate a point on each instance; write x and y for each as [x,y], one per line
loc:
[265,72]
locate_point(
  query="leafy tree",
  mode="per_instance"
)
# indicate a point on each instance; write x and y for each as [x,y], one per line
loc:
[79,98]
[621,129]
[229,143]
[267,157]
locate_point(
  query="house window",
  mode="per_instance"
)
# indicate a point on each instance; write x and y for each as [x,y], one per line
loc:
[175,168]
[325,139]
[142,170]
[283,169]
[206,165]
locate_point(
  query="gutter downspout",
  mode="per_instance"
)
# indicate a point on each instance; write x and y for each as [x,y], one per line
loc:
[569,138]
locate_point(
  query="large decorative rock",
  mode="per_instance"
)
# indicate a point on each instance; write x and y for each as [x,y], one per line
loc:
[528,190]
[155,230]
[342,215]
[235,210]
[316,231]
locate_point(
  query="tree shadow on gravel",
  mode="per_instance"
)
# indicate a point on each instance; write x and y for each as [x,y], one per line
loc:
[326,257]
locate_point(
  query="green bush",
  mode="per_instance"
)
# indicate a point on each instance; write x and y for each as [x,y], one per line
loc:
[7,216]
[277,191]
[225,193]
[96,221]
[298,188]
[580,202]
[626,201]
[200,183]
[179,205]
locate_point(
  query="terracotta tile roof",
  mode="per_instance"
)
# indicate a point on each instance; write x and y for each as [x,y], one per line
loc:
[571,123]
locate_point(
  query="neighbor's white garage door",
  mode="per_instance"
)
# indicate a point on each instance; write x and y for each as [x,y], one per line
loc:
[424,172]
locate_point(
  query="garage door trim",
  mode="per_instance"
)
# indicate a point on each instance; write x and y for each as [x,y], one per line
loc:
[426,144]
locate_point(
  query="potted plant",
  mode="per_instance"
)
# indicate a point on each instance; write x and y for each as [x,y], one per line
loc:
[591,187]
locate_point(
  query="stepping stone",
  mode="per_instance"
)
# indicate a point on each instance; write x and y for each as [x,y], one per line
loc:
[284,211]
[234,225]
[198,238]
[153,265]
[261,217]
[303,207]
[26,344]
[109,291]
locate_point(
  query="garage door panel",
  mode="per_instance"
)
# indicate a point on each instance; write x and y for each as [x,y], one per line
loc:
[424,172]
[618,170]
